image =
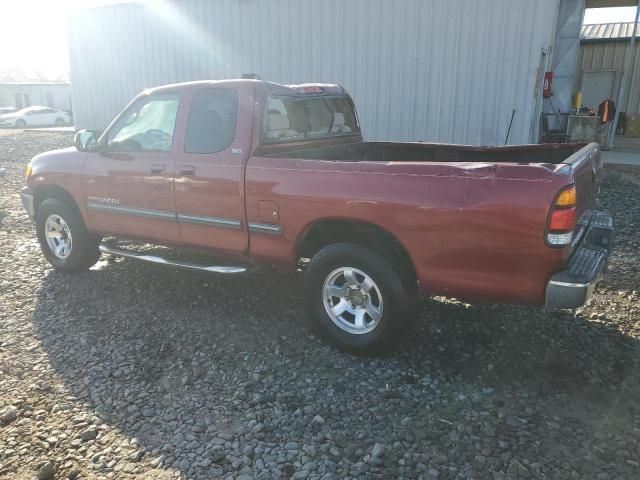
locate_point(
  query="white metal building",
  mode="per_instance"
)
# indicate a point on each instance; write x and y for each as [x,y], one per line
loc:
[46,94]
[434,70]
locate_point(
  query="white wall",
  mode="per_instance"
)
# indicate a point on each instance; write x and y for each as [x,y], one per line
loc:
[37,95]
[436,70]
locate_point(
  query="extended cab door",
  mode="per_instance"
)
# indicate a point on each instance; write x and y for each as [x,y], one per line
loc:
[129,183]
[210,168]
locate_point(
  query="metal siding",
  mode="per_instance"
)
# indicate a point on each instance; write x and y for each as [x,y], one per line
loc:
[610,56]
[447,71]
[566,54]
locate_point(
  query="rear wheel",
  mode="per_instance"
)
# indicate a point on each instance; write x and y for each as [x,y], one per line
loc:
[20,123]
[60,122]
[357,298]
[64,240]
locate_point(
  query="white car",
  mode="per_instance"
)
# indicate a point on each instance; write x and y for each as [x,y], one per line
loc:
[35,117]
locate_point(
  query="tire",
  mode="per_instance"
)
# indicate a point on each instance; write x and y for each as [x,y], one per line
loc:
[79,249]
[362,280]
[20,123]
[60,122]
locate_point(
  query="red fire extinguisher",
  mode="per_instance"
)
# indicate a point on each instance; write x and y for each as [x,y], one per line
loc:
[546,85]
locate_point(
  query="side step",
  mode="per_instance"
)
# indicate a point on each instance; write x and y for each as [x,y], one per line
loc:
[112,248]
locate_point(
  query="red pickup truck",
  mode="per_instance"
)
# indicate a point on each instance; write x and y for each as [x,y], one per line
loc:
[255,172]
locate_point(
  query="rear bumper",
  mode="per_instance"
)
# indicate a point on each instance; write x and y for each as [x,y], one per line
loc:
[26,195]
[572,287]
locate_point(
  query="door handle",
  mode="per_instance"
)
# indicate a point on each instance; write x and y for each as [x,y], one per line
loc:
[187,170]
[157,168]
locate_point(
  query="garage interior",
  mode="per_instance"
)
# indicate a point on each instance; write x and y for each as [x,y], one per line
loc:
[608,68]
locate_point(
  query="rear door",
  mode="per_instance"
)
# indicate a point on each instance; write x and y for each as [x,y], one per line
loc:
[47,116]
[210,168]
[129,185]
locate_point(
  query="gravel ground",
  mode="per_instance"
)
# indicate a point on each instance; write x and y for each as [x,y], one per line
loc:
[132,371]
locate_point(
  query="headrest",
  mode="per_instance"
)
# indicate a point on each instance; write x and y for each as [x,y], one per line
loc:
[338,119]
[277,121]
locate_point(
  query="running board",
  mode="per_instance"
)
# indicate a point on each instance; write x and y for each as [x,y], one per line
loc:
[114,250]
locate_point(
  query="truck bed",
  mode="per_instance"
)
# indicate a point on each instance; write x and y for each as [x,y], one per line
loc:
[434,152]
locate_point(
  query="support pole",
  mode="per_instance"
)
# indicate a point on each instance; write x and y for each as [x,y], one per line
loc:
[622,93]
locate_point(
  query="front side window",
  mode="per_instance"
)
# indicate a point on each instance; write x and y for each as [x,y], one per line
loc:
[292,118]
[212,120]
[148,125]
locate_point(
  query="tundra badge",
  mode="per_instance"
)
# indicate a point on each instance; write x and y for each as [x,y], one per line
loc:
[112,201]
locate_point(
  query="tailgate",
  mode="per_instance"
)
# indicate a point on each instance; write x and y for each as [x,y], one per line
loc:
[586,170]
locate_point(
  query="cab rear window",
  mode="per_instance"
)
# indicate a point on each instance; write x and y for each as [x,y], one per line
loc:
[289,119]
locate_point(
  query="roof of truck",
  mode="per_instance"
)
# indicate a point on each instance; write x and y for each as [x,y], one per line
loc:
[302,89]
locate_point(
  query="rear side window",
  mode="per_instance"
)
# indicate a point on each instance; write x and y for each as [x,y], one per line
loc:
[212,120]
[292,118]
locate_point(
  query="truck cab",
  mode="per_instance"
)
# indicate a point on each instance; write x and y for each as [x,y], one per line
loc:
[176,156]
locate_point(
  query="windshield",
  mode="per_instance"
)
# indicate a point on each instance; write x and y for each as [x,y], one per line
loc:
[291,118]
[147,125]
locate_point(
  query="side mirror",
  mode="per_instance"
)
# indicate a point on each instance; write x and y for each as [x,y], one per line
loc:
[85,141]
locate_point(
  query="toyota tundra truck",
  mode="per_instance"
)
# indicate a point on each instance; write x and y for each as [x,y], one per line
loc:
[246,172]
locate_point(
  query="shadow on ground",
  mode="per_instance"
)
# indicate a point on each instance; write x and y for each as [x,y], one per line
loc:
[151,349]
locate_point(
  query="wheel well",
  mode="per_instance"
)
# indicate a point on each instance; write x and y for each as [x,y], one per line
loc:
[52,191]
[329,231]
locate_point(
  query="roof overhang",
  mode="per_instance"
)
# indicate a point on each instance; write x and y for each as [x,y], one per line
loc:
[586,41]
[610,3]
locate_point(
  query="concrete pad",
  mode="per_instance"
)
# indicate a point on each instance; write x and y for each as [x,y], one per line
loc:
[7,132]
[621,157]
[626,144]
[69,130]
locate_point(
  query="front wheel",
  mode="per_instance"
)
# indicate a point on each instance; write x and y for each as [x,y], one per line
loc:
[357,298]
[64,240]
[20,123]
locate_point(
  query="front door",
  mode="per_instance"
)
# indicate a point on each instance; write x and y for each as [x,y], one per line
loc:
[210,170]
[129,183]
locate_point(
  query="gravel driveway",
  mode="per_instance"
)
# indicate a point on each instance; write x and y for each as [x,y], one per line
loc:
[134,371]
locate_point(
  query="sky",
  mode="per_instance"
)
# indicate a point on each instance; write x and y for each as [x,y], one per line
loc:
[34,36]
[609,15]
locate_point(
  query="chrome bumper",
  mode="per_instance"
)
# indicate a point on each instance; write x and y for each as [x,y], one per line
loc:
[26,195]
[572,287]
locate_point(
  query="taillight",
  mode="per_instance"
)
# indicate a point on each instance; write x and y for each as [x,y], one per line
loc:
[562,218]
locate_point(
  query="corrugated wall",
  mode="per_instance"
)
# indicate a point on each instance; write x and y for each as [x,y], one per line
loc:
[610,56]
[439,70]
[566,54]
